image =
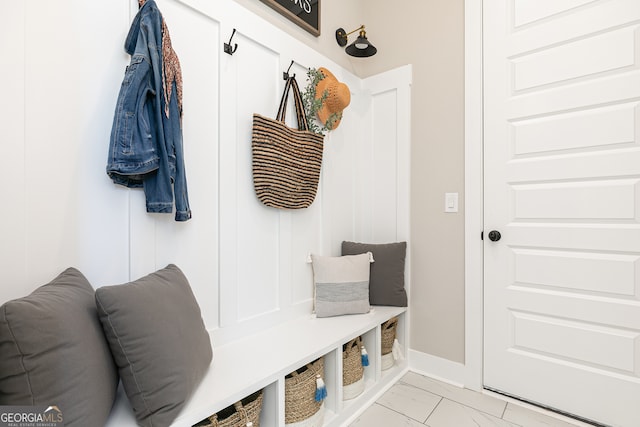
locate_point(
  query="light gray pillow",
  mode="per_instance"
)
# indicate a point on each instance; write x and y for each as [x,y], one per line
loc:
[386,284]
[158,340]
[53,352]
[341,285]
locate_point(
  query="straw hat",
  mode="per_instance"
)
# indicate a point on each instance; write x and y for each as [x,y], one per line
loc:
[338,97]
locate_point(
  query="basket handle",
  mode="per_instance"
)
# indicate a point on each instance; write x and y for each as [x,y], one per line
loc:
[391,323]
[309,367]
[243,413]
[295,373]
[354,343]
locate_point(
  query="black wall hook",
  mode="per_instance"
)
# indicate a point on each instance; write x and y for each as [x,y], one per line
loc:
[285,74]
[227,46]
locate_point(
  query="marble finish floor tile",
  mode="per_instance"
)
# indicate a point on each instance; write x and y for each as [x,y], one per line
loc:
[410,401]
[479,401]
[418,401]
[535,418]
[380,416]
[453,414]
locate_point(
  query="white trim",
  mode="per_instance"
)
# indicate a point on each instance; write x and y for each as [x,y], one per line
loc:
[438,368]
[473,196]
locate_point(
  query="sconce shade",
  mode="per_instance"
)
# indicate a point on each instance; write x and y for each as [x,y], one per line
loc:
[360,48]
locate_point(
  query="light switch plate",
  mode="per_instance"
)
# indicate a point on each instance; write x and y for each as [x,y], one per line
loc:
[451,202]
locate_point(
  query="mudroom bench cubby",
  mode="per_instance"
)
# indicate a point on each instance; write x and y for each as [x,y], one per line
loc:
[262,361]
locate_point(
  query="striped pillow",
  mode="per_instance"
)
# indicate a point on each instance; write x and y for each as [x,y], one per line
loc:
[341,284]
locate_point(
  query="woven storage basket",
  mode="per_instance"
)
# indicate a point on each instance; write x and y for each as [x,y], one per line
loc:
[389,334]
[242,414]
[352,369]
[388,337]
[387,361]
[300,406]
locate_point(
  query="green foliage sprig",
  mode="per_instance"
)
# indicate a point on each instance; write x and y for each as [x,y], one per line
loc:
[313,104]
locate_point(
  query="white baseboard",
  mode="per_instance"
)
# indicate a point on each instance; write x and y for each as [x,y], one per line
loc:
[437,368]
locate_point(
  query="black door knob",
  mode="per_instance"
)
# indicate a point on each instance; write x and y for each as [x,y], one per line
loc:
[494,235]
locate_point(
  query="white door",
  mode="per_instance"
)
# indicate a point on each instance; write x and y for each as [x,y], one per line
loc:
[562,186]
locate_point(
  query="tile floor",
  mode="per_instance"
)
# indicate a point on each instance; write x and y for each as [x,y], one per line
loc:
[418,401]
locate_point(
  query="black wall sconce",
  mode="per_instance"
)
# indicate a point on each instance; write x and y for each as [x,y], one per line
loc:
[361,48]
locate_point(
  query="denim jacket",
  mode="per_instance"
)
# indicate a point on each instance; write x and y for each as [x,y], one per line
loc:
[145,149]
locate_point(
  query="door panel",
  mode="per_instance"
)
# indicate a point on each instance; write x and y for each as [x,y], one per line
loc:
[604,128]
[526,12]
[562,185]
[599,273]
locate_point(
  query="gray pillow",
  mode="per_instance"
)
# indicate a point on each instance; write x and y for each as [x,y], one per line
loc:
[341,285]
[54,353]
[386,284]
[158,340]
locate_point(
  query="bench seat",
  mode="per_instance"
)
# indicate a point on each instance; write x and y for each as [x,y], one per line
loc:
[242,367]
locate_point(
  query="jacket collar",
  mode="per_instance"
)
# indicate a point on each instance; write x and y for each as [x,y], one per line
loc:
[132,37]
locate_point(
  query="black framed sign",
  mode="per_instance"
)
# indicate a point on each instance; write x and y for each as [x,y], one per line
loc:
[305,13]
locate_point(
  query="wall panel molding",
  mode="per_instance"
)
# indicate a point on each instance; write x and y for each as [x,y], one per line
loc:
[247,264]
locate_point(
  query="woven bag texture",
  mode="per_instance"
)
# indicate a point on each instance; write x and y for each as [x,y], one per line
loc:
[352,369]
[286,162]
[389,334]
[240,414]
[300,391]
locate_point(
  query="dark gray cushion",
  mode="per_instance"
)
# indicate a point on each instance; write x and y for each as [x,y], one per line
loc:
[53,352]
[158,340]
[386,282]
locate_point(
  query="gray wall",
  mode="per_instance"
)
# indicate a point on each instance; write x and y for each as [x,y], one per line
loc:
[428,34]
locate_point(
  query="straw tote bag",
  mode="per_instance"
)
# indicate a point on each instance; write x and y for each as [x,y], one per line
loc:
[286,161]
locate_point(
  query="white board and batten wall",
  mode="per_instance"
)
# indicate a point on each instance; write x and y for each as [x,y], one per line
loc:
[246,263]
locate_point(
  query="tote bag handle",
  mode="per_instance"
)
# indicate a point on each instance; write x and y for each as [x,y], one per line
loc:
[301,116]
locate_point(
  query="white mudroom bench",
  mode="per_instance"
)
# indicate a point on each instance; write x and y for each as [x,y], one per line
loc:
[262,360]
